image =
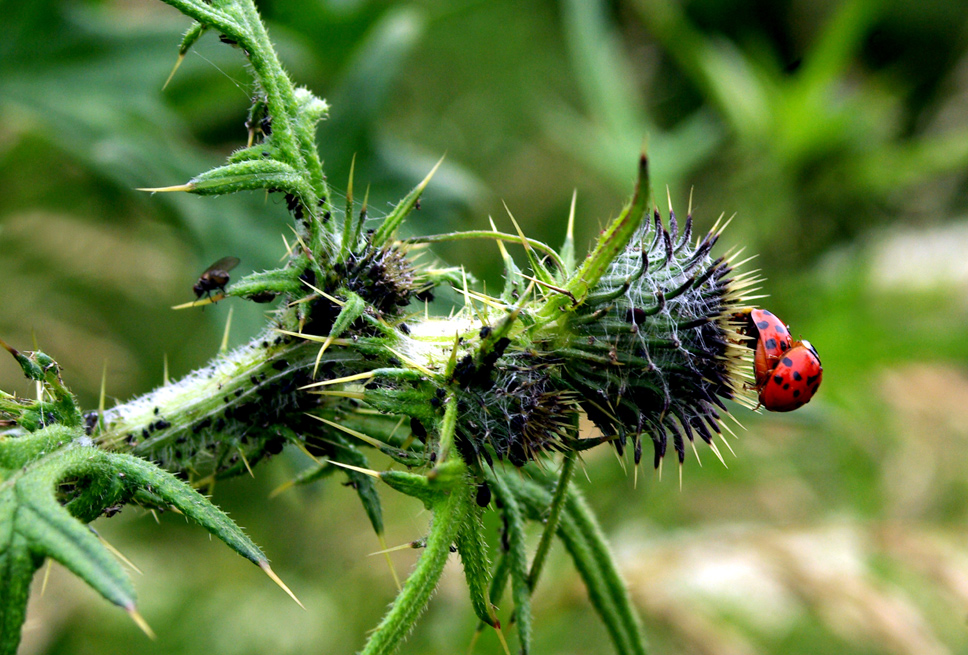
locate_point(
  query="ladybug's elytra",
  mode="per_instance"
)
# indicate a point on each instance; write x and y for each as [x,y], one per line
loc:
[794,380]
[787,373]
[772,339]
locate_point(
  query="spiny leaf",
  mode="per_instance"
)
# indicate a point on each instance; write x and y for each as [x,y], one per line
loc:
[612,241]
[33,525]
[473,554]
[189,502]
[246,175]
[402,210]
[192,35]
[364,484]
[517,558]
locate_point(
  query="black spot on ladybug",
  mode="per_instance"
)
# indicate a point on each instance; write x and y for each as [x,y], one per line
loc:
[786,386]
[797,376]
[796,393]
[762,325]
[784,346]
[781,329]
[770,344]
[787,362]
[813,380]
[778,379]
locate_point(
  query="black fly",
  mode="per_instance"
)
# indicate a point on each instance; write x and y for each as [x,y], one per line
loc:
[215,277]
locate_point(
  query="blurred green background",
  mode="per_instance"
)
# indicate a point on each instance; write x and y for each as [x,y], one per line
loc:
[836,132]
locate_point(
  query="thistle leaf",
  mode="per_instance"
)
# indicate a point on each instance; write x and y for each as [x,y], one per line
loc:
[364,484]
[473,554]
[34,524]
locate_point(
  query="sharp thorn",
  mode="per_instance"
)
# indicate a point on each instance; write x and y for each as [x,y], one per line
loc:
[264,565]
[140,622]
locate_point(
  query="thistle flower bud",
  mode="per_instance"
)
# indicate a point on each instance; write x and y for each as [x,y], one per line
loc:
[653,349]
[381,275]
[650,349]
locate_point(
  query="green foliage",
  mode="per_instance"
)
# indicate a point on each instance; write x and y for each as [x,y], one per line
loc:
[36,525]
[509,386]
[856,124]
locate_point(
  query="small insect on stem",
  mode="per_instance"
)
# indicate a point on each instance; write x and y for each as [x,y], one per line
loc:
[215,277]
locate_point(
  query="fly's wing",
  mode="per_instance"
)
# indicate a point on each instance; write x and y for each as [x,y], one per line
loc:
[225,264]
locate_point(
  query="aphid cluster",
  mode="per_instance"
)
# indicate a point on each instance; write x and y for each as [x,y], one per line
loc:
[240,422]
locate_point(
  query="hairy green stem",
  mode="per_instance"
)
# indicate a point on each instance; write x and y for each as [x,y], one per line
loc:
[554,514]
[517,557]
[448,517]
[584,520]
[473,555]
[589,551]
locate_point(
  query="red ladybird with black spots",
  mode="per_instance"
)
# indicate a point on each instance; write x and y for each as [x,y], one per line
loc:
[772,339]
[794,380]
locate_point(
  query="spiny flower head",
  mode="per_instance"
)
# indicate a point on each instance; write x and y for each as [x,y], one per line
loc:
[653,351]
[648,348]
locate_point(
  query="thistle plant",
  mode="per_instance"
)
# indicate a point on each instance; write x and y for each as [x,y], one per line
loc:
[472,409]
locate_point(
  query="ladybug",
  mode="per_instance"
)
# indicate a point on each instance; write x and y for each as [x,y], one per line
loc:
[794,380]
[772,340]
